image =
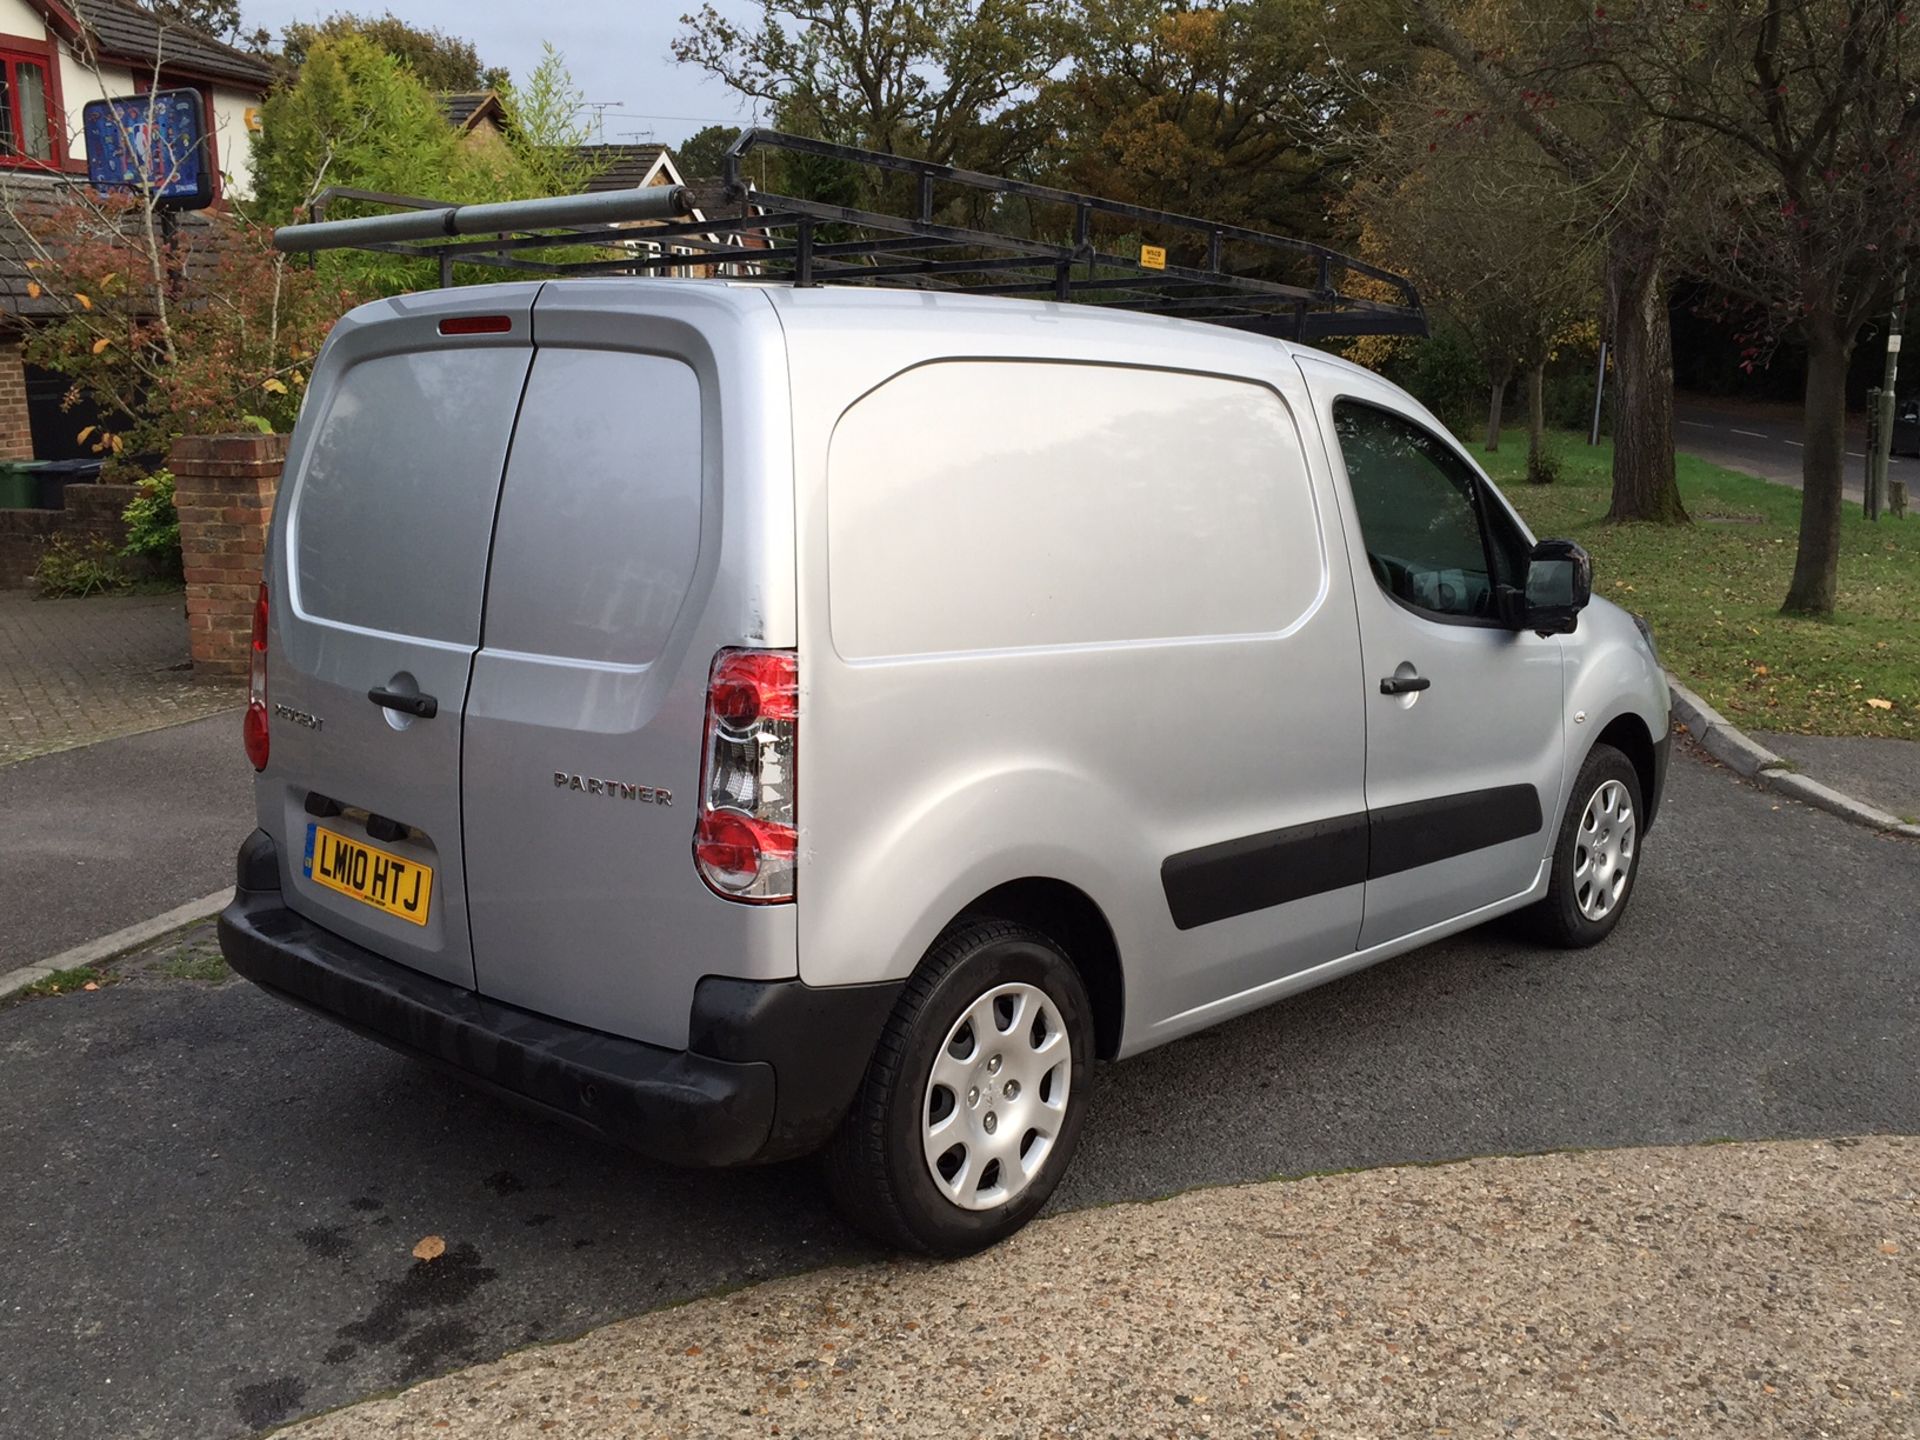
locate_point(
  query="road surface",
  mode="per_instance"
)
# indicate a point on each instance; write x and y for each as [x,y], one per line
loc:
[210,1197]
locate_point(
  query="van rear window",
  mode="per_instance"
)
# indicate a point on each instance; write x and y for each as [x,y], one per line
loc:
[599,528]
[980,505]
[392,511]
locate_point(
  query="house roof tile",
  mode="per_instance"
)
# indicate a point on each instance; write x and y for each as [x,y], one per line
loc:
[122,30]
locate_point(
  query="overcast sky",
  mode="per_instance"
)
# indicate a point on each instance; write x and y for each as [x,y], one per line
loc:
[616,49]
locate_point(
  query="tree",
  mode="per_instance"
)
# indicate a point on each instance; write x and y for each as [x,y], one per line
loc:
[699,155]
[1534,69]
[1226,110]
[1815,204]
[442,62]
[360,118]
[1486,228]
[943,80]
[218,18]
[207,331]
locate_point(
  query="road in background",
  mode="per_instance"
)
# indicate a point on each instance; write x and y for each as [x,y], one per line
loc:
[101,837]
[1765,440]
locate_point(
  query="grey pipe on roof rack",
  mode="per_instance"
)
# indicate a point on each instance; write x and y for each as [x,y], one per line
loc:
[658,202]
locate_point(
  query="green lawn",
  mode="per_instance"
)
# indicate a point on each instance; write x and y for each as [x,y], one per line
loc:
[1712,591]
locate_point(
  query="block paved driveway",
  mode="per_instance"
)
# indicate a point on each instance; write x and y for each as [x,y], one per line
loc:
[76,671]
[208,1198]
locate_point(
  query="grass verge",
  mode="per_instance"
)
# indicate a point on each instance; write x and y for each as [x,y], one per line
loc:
[58,983]
[1712,591]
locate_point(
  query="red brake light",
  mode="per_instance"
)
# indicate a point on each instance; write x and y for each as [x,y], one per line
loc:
[745,837]
[476,325]
[253,729]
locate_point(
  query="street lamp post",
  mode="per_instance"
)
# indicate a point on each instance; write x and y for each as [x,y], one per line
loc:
[1879,458]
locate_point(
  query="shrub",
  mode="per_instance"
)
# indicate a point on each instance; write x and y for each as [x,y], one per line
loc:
[1543,466]
[153,526]
[69,571]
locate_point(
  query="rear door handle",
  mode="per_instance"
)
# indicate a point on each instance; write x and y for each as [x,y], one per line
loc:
[425,706]
[1404,684]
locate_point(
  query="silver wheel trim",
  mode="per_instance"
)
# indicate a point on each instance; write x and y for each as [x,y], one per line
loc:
[996,1097]
[1603,850]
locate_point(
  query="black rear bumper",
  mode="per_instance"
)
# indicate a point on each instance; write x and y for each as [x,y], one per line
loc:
[729,1106]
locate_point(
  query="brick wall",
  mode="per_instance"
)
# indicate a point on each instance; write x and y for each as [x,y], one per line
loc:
[223,488]
[16,433]
[92,511]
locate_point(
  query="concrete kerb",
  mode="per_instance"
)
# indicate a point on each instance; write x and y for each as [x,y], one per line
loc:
[1745,756]
[118,943]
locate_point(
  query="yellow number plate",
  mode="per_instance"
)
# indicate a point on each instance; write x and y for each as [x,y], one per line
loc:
[368,874]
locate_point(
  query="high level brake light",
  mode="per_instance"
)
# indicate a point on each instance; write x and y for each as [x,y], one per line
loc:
[744,837]
[254,728]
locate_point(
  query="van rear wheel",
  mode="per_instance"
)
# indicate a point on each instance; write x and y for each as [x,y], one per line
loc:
[973,1101]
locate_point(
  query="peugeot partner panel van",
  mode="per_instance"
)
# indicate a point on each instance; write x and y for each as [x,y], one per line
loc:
[749,720]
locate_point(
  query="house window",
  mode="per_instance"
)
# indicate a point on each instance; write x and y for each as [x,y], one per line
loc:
[26,117]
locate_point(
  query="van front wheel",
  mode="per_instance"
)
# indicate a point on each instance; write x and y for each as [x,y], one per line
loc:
[1596,855]
[973,1101]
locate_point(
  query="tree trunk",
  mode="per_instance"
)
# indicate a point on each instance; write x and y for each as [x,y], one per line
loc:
[1816,564]
[1536,420]
[1495,404]
[1643,481]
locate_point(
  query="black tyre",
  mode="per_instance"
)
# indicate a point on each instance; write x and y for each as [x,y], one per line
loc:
[1596,856]
[973,1101]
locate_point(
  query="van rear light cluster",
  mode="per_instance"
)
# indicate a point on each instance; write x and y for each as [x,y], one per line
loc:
[254,728]
[744,838]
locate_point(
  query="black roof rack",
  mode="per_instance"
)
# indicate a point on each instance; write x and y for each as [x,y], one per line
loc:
[924,225]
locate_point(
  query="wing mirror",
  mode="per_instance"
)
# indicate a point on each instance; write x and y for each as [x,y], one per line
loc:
[1559,585]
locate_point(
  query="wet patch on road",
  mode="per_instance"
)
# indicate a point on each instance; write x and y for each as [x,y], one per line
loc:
[268,1402]
[410,1312]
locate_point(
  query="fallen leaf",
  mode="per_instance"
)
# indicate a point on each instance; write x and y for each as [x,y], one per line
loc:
[90,985]
[274,387]
[1880,704]
[693,1350]
[1761,670]
[432,1247]
[82,300]
[101,344]
[81,438]
[1888,1247]
[33,289]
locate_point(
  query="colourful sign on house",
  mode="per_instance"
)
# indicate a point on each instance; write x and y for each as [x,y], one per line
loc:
[157,140]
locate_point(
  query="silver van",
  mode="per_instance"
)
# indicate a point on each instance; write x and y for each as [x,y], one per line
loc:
[751,720]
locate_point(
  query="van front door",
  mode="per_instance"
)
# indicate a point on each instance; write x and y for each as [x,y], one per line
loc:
[1465,739]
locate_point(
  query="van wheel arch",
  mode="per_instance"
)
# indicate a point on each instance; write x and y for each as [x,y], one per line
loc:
[1069,917]
[1628,734]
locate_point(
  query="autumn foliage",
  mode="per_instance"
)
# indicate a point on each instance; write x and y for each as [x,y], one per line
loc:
[209,331]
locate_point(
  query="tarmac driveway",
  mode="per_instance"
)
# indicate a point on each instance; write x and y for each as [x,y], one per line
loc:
[210,1199]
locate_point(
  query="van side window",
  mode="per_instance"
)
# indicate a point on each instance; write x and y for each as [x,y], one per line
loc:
[1423,517]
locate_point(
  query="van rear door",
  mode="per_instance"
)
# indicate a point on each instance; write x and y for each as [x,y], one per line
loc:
[376,583]
[651,408]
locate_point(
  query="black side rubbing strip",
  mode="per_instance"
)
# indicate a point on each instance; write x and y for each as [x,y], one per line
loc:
[1234,877]
[1406,837]
[1256,872]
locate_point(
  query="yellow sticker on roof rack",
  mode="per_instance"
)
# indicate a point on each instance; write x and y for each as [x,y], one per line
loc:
[1153,257]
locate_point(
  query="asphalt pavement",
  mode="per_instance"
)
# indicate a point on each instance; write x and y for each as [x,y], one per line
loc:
[108,835]
[1765,440]
[211,1198]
